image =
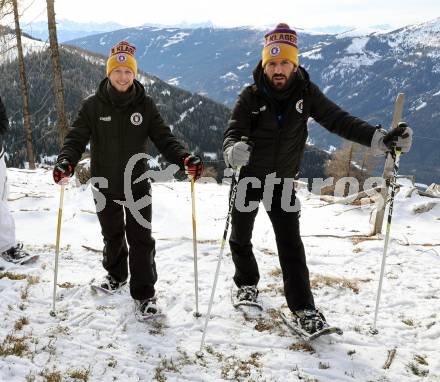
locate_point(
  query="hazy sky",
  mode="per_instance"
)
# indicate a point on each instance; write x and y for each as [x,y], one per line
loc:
[307,14]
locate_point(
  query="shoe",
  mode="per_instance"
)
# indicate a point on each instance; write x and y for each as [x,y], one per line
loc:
[15,254]
[111,284]
[247,293]
[145,309]
[309,320]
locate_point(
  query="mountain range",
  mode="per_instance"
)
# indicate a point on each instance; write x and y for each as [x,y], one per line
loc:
[361,72]
[196,120]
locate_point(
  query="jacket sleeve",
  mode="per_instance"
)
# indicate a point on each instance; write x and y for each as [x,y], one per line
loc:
[77,138]
[239,125]
[4,122]
[338,121]
[160,134]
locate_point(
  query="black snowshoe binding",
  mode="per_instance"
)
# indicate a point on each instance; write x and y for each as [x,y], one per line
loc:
[109,285]
[18,255]
[309,324]
[146,309]
[246,295]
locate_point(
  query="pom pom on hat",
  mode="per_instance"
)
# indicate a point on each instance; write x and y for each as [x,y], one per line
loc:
[122,54]
[280,43]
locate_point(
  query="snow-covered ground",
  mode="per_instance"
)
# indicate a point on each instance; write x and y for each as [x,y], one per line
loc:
[97,338]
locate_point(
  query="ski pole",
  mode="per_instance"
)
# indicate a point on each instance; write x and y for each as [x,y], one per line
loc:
[396,156]
[196,275]
[234,186]
[57,249]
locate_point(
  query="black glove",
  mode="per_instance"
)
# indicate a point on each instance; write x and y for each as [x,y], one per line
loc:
[193,166]
[62,169]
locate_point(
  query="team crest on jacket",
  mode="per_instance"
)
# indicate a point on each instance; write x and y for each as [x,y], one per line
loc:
[299,106]
[136,119]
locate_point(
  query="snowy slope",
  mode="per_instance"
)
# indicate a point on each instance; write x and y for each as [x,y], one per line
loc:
[97,336]
[8,47]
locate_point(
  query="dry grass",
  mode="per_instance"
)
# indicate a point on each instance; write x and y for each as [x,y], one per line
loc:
[32,280]
[12,276]
[13,345]
[408,321]
[238,370]
[276,272]
[359,239]
[20,323]
[302,346]
[66,285]
[331,281]
[268,252]
[273,289]
[51,375]
[157,327]
[80,374]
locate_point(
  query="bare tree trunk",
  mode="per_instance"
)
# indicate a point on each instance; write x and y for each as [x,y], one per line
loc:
[58,78]
[24,90]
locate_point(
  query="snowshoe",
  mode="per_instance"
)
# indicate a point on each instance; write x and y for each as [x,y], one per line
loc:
[309,324]
[109,285]
[146,309]
[246,296]
[17,255]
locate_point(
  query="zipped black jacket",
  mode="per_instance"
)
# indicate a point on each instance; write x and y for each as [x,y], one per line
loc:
[116,133]
[4,123]
[279,140]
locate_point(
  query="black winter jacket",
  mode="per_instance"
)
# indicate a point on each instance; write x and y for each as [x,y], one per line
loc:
[117,132]
[279,140]
[4,123]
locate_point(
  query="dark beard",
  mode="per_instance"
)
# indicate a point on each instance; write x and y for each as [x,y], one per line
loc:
[288,82]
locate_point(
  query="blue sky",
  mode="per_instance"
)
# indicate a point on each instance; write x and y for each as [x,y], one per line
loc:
[306,14]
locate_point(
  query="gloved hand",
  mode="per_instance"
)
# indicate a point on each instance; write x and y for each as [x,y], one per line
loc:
[62,169]
[193,166]
[384,141]
[238,154]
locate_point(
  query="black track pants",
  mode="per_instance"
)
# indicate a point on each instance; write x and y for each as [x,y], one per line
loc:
[140,250]
[290,248]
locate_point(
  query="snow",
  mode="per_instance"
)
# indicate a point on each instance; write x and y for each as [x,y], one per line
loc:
[436,94]
[173,81]
[99,335]
[241,67]
[359,32]
[229,76]
[175,39]
[421,106]
[313,54]
[8,47]
[357,45]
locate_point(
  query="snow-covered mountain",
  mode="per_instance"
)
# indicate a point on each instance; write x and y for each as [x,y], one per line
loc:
[97,338]
[68,30]
[361,72]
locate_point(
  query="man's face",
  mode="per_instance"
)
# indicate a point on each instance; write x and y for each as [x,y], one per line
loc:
[279,71]
[121,78]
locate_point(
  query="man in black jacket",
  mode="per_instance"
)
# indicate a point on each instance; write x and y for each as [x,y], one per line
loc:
[273,114]
[10,250]
[118,121]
